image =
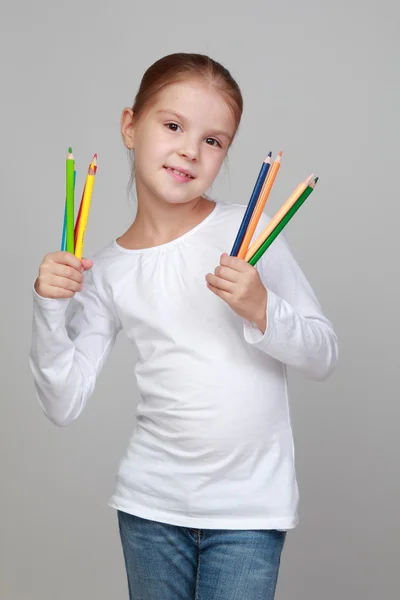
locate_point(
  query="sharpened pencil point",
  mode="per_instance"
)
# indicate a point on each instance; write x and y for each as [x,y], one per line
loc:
[270,154]
[70,150]
[309,179]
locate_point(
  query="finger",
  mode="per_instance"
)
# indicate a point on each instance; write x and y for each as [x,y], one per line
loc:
[220,293]
[235,263]
[55,292]
[87,263]
[221,284]
[61,271]
[65,284]
[227,273]
[66,258]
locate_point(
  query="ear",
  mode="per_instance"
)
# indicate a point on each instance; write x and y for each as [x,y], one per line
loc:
[127,129]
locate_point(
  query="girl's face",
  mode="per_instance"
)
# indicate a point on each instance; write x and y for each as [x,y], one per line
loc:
[180,142]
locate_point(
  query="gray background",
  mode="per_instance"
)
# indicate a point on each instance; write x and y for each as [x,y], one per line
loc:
[321,81]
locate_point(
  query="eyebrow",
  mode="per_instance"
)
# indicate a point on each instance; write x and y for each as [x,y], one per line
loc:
[182,118]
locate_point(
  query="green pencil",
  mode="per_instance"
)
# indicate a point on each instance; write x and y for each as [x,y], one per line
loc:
[283,222]
[70,201]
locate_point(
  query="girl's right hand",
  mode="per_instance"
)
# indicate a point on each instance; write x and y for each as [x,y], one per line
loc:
[61,275]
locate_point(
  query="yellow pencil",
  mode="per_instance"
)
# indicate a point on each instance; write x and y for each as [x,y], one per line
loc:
[277,218]
[85,208]
[262,199]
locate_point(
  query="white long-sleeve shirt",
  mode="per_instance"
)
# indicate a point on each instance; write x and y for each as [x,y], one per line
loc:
[213,445]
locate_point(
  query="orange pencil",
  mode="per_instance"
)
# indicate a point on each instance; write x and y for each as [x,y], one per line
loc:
[265,191]
[278,217]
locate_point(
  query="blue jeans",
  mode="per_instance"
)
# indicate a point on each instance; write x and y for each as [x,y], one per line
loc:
[166,562]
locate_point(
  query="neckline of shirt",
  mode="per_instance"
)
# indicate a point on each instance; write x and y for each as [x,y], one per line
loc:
[172,242]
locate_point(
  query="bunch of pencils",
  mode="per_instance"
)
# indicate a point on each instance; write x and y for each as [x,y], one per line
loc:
[73,235]
[266,178]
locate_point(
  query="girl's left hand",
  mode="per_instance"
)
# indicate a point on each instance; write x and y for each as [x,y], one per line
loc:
[239,284]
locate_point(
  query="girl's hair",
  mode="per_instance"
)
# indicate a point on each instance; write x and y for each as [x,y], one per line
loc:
[182,66]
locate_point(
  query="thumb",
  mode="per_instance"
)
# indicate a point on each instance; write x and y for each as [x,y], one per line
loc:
[87,263]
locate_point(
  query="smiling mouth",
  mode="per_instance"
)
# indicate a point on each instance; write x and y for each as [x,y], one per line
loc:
[180,173]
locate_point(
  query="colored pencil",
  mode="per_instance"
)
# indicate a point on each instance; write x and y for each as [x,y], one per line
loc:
[275,220]
[94,161]
[266,189]
[83,220]
[251,205]
[70,167]
[64,233]
[283,222]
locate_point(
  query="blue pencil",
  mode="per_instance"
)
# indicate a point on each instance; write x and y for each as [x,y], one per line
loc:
[251,205]
[64,233]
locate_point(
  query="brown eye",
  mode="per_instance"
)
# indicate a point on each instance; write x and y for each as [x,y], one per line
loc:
[172,126]
[213,142]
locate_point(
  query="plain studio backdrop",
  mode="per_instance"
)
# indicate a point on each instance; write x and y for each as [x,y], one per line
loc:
[320,80]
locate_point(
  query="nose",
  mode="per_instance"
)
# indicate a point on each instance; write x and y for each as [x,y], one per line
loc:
[189,151]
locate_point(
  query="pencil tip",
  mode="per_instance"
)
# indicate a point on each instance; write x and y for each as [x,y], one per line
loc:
[70,150]
[280,153]
[316,179]
[270,154]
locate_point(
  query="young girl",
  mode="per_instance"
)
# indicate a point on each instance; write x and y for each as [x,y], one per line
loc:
[207,488]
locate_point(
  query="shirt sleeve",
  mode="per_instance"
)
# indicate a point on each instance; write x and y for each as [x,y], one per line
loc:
[297,332]
[71,339]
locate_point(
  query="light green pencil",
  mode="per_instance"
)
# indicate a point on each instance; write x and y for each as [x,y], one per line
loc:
[283,222]
[70,201]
